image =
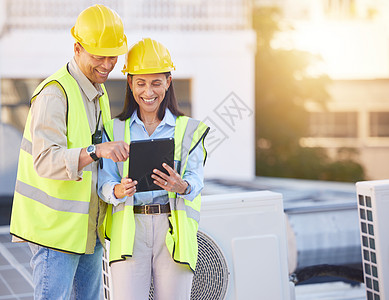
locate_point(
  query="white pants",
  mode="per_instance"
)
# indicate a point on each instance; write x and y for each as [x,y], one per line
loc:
[131,278]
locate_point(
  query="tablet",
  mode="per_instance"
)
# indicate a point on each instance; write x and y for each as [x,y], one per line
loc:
[147,155]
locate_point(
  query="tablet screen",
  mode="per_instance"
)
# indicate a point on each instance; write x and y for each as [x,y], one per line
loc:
[147,155]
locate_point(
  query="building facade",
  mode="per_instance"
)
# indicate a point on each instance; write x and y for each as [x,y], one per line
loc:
[352,38]
[211,43]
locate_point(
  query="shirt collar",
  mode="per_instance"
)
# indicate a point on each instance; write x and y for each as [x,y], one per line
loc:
[168,119]
[91,91]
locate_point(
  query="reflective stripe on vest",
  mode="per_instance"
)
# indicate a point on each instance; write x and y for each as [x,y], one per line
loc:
[40,196]
[184,214]
[48,212]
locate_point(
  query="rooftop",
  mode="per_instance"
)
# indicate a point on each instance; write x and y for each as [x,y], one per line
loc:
[16,277]
[300,197]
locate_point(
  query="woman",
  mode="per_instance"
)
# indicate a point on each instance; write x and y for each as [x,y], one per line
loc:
[153,234]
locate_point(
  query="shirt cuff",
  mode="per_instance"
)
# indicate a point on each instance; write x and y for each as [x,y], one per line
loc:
[191,195]
[108,191]
[72,158]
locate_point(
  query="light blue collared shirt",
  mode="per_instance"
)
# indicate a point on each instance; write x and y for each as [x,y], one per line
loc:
[109,176]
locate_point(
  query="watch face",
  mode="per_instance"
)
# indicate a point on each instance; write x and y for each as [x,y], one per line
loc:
[90,149]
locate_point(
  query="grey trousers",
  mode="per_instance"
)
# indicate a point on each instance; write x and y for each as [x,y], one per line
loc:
[151,259]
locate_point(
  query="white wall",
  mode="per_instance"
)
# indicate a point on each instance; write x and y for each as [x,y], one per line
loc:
[222,68]
[220,65]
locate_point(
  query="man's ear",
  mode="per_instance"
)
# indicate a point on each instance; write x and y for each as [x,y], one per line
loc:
[77,49]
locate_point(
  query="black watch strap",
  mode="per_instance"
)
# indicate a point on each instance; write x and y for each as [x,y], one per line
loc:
[94,156]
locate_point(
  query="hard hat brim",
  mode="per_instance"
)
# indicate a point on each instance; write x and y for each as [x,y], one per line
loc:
[149,71]
[148,56]
[106,51]
[102,51]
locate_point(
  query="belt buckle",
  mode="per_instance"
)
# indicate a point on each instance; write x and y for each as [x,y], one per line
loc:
[148,207]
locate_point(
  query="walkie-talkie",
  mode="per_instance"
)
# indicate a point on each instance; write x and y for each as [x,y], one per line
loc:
[97,138]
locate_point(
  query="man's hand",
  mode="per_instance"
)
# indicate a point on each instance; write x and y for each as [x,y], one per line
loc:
[117,151]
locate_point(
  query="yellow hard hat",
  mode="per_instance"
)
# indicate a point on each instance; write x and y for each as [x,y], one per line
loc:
[148,57]
[100,31]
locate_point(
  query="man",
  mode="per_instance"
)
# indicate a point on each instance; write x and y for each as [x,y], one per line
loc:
[56,207]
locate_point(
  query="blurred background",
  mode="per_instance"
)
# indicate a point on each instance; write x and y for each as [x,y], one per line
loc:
[290,88]
[294,89]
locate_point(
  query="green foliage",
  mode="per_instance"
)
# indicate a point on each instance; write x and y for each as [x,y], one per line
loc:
[283,87]
[310,163]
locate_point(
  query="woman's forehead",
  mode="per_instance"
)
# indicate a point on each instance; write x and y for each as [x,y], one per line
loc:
[149,77]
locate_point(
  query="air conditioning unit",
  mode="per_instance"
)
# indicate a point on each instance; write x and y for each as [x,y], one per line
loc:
[242,249]
[373,209]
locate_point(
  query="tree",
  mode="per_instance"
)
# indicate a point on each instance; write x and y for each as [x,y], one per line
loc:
[283,86]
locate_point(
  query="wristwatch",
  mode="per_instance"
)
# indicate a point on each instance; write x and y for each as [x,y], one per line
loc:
[188,188]
[91,150]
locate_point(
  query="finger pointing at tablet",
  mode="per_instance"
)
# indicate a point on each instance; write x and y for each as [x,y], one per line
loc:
[117,151]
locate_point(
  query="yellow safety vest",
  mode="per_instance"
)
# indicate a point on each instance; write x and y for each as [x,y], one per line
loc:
[48,212]
[181,239]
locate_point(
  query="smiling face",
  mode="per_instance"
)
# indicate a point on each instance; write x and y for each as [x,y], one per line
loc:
[149,91]
[95,68]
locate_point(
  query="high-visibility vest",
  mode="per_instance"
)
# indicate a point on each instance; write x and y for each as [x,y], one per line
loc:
[181,238]
[48,212]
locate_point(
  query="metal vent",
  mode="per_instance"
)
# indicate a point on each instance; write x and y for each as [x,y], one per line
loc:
[370,266]
[106,277]
[211,277]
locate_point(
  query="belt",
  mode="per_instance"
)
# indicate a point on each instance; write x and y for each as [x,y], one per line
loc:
[152,209]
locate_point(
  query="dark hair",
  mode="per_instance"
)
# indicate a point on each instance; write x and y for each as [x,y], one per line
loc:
[169,102]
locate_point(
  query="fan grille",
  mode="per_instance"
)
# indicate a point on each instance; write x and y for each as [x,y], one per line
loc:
[211,277]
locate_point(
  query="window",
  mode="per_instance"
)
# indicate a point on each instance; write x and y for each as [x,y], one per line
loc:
[15,100]
[333,124]
[379,124]
[351,9]
[340,9]
[182,88]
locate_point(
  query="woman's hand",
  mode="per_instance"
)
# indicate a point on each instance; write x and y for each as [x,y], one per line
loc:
[127,187]
[172,182]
